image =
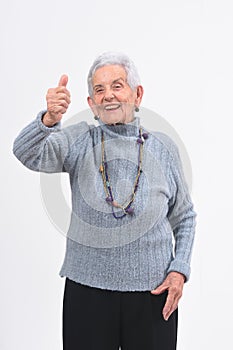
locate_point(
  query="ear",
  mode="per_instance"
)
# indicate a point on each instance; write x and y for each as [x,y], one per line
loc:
[92,105]
[139,92]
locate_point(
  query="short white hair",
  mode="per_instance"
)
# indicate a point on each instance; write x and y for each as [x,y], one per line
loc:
[117,58]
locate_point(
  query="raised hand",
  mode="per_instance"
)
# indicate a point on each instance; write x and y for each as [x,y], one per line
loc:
[58,100]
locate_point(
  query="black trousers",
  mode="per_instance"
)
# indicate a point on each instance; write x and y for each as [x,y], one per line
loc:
[98,319]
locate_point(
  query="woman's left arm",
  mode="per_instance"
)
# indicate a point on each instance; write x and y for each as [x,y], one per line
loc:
[182,218]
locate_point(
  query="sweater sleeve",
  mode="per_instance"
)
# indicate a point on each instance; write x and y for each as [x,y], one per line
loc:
[46,149]
[181,216]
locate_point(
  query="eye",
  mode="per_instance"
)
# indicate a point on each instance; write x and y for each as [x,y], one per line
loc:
[117,86]
[99,91]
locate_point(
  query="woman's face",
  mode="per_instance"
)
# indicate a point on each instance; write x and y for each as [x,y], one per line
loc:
[113,100]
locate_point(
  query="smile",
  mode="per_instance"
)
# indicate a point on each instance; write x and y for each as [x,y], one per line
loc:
[112,107]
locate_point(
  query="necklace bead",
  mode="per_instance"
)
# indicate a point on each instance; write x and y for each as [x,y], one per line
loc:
[129,210]
[139,140]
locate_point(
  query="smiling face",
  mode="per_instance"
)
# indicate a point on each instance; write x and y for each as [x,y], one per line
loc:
[113,99]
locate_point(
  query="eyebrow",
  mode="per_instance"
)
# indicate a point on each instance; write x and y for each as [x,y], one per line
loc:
[114,81]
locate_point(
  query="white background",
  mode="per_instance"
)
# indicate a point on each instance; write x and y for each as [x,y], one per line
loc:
[183,51]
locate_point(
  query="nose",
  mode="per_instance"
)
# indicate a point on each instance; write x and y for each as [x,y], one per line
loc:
[108,96]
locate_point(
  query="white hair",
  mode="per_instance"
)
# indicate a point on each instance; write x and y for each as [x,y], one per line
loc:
[109,58]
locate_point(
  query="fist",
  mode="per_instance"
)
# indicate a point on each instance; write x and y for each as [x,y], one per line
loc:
[58,100]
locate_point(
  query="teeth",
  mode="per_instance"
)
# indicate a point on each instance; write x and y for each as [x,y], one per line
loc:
[110,107]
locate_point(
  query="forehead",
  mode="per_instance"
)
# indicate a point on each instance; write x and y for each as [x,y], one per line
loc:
[109,73]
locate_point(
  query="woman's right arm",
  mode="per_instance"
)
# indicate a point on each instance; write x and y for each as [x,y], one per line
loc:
[42,145]
[42,148]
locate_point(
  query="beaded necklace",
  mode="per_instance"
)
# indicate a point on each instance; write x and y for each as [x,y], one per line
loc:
[126,206]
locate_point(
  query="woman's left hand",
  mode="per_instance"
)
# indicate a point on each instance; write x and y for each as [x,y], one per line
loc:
[173,283]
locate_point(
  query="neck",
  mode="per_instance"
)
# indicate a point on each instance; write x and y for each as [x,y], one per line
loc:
[130,128]
[119,123]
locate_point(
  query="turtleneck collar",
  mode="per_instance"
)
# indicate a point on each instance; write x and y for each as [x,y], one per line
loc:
[128,129]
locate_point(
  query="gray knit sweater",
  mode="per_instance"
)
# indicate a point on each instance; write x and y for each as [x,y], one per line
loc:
[137,251]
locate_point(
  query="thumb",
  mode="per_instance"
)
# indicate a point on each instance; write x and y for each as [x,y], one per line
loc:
[63,80]
[160,289]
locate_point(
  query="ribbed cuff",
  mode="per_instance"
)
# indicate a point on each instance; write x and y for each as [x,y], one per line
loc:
[43,127]
[181,267]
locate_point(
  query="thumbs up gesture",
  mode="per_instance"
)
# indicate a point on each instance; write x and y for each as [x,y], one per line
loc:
[58,100]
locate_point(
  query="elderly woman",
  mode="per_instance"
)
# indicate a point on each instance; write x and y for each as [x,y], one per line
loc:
[132,225]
